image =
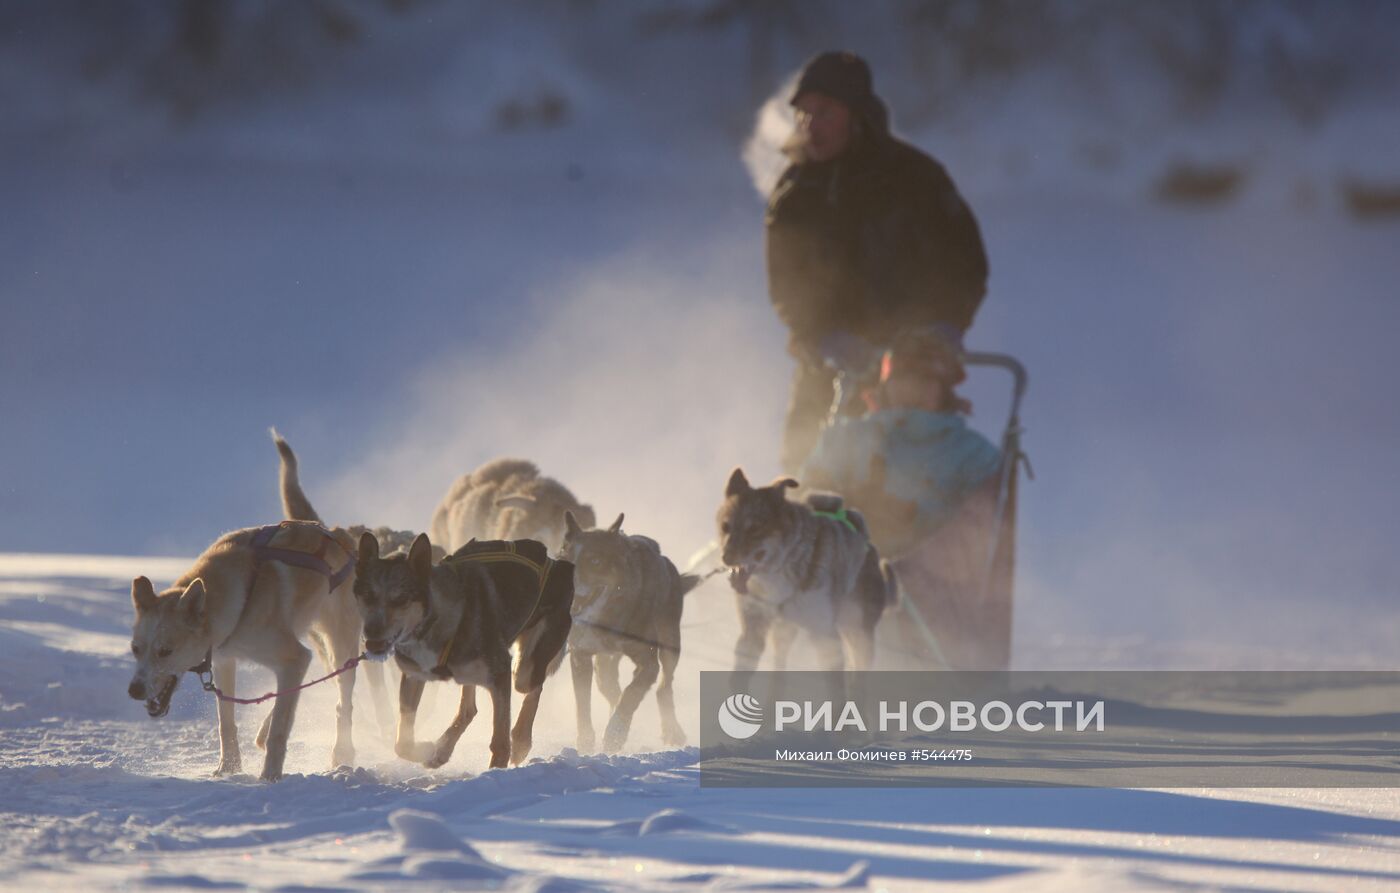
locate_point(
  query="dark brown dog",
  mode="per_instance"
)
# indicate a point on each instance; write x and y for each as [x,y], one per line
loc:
[457,621]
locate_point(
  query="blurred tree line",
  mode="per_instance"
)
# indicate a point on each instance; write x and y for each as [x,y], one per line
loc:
[1302,54]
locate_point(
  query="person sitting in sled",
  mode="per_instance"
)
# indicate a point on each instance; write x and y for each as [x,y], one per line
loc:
[866,237]
[910,462]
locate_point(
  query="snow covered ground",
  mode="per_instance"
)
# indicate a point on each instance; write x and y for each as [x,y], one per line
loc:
[406,290]
[98,796]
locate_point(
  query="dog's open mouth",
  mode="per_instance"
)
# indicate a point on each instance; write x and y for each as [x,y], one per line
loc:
[159,705]
[378,649]
[752,563]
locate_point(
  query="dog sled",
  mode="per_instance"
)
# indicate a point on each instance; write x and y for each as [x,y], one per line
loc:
[957,585]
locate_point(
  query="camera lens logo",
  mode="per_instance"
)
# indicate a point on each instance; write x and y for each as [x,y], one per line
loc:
[740,716]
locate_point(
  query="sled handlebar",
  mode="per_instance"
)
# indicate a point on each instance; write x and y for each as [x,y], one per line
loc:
[1018,374]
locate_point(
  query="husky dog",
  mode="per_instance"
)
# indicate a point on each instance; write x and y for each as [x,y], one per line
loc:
[506,499]
[252,596]
[628,603]
[296,507]
[801,567]
[457,621]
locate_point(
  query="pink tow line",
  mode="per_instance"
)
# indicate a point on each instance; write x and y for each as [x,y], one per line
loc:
[206,679]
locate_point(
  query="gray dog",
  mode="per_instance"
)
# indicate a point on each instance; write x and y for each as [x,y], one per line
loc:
[801,567]
[627,603]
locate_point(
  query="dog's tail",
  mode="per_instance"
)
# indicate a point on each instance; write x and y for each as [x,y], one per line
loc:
[295,505]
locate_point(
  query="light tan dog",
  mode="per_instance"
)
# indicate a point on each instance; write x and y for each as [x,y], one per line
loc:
[506,499]
[253,595]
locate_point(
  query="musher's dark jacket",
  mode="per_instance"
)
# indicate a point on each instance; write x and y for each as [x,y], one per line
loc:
[873,242]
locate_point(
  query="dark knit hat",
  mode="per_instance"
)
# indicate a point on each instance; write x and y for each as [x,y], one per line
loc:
[846,77]
[840,75]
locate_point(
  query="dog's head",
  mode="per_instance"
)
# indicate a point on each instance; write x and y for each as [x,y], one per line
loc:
[600,559]
[752,521]
[391,541]
[171,635]
[392,592]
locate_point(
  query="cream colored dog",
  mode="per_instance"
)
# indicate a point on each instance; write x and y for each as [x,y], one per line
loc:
[253,595]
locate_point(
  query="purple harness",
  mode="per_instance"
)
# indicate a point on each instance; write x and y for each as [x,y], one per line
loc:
[314,561]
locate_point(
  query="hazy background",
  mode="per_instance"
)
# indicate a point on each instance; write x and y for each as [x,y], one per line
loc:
[418,235]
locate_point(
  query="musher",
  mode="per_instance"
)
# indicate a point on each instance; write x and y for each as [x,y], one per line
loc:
[867,237]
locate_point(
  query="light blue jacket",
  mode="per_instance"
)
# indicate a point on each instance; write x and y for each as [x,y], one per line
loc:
[931,458]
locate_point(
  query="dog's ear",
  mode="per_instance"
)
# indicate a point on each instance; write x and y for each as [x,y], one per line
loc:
[586,519]
[616,525]
[737,483]
[420,560]
[192,602]
[571,525]
[369,548]
[143,594]
[783,483]
[515,502]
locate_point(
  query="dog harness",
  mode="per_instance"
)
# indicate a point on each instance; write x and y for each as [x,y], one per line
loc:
[840,517]
[507,553]
[295,550]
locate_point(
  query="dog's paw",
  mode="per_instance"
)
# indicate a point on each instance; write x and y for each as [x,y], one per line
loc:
[586,741]
[415,751]
[228,767]
[673,737]
[270,775]
[500,759]
[520,748]
[343,755]
[438,758]
[614,737]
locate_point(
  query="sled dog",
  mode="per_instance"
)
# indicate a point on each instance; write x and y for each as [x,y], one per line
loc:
[506,499]
[628,603]
[253,595]
[801,567]
[457,621]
